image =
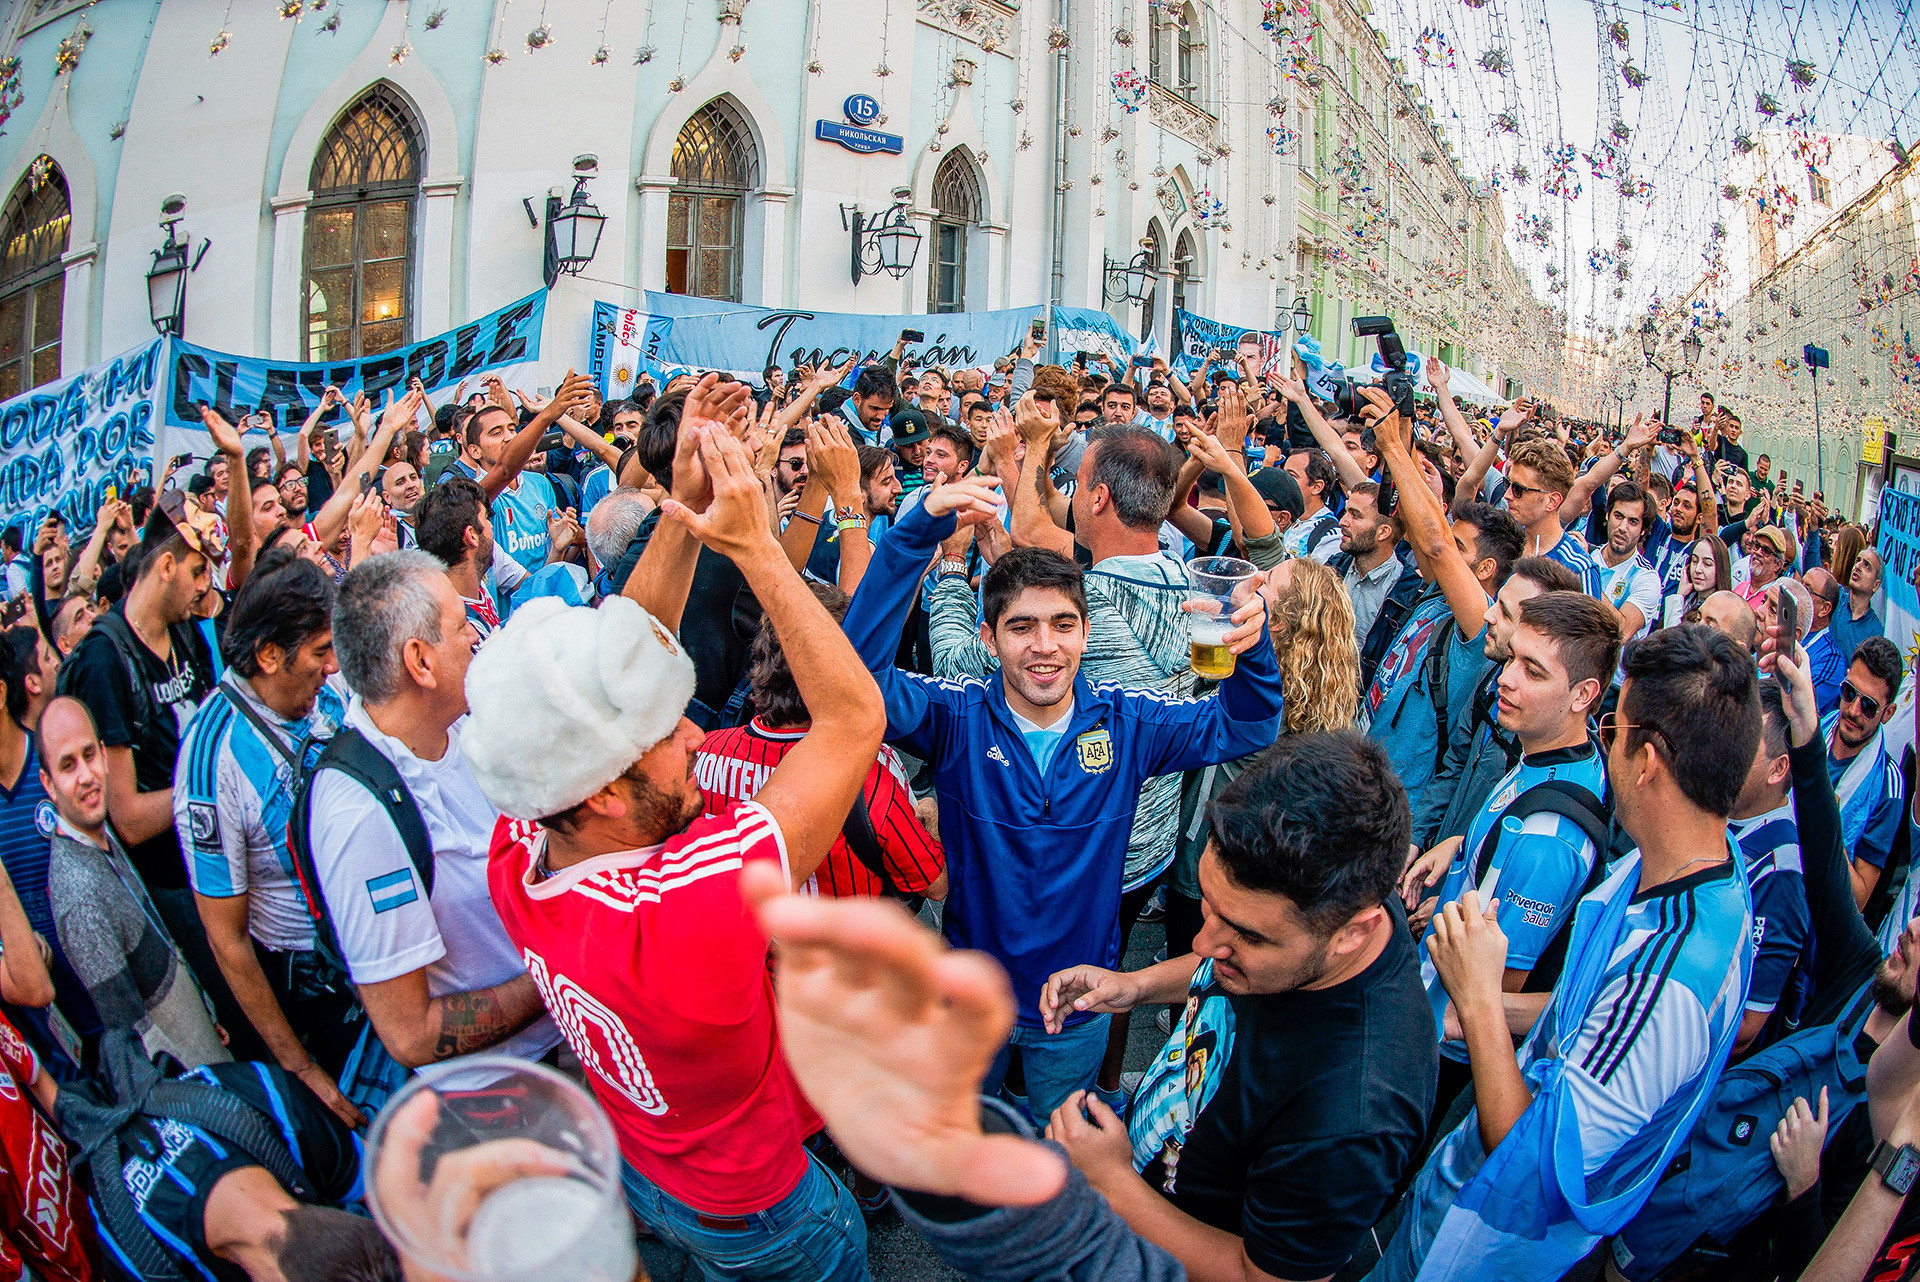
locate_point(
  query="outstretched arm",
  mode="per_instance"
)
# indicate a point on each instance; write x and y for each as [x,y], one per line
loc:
[812,789]
[663,575]
[575,391]
[1426,521]
[1351,473]
[1033,525]
[239,498]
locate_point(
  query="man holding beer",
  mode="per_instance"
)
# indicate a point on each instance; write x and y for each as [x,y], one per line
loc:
[1037,769]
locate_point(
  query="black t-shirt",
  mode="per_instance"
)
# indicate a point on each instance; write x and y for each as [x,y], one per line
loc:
[171,1189]
[1318,1114]
[719,623]
[151,726]
[319,485]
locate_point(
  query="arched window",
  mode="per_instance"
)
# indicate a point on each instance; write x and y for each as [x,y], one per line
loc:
[33,285]
[956,208]
[1182,268]
[715,166]
[366,183]
[1188,53]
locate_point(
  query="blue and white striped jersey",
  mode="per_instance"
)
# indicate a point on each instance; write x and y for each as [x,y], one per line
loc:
[1571,552]
[232,794]
[1536,873]
[1621,1063]
[1782,922]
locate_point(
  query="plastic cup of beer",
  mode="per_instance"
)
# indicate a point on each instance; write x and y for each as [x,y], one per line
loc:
[495,1169]
[1216,587]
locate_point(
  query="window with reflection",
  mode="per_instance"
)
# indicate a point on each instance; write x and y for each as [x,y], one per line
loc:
[956,210]
[33,284]
[714,167]
[1150,243]
[1182,269]
[360,237]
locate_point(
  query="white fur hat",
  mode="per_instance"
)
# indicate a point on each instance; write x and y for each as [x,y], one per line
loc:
[566,698]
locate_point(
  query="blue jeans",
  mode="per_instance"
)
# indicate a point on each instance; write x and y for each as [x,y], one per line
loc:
[813,1234]
[1056,1064]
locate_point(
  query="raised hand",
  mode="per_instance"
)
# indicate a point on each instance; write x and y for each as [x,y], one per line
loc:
[826,376]
[1003,442]
[890,1036]
[734,523]
[574,393]
[1230,421]
[1209,449]
[1643,433]
[403,411]
[1516,414]
[1437,376]
[497,391]
[833,457]
[1035,420]
[973,501]
[225,438]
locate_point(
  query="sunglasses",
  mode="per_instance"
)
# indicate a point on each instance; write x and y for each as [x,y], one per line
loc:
[1850,693]
[1514,487]
[1611,725]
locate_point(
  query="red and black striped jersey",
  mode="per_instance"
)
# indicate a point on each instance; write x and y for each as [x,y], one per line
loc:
[734,764]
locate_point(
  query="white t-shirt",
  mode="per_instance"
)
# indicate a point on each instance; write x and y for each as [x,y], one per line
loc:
[1632,582]
[387,928]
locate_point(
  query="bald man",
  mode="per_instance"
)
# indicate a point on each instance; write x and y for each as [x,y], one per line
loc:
[1726,612]
[108,927]
[1829,665]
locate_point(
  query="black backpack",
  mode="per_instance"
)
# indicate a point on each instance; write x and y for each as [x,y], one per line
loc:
[1595,819]
[864,842]
[350,753]
[104,1122]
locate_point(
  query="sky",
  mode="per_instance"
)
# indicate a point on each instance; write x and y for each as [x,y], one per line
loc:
[1705,64]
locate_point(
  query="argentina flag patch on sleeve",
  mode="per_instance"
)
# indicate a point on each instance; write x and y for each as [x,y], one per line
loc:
[392,890]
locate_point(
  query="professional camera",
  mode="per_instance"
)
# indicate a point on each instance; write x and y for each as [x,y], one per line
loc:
[1396,382]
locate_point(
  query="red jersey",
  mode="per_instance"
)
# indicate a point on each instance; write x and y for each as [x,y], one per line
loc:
[734,764]
[657,974]
[44,1223]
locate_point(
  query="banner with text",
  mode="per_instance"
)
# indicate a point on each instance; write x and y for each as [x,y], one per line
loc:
[1195,338]
[67,443]
[1900,548]
[506,343]
[671,333]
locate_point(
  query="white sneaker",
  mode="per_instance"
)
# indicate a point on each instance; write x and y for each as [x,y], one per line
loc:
[1165,1020]
[1130,1083]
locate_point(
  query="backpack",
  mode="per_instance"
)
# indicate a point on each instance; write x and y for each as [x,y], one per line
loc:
[1725,1177]
[103,1120]
[1595,820]
[350,753]
[864,842]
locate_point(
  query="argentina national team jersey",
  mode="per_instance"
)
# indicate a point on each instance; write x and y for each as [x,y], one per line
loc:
[1620,1064]
[1574,554]
[233,793]
[1536,872]
[1782,923]
[520,518]
[1871,794]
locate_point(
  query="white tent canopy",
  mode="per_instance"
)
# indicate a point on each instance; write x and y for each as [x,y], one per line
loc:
[1467,386]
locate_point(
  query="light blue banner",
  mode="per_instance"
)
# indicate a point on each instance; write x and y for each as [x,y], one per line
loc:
[1196,337]
[671,333]
[66,443]
[1082,329]
[237,385]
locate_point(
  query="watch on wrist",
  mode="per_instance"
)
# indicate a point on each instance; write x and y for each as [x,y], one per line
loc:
[1896,1166]
[952,565]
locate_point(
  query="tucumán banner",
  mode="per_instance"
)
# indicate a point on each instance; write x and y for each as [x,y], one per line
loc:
[65,444]
[672,333]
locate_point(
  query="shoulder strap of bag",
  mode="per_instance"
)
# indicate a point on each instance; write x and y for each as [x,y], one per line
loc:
[1560,797]
[350,753]
[864,842]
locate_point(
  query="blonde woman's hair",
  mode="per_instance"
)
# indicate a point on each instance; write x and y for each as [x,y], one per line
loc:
[1319,661]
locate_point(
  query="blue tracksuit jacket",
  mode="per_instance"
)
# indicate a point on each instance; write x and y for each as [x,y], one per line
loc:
[1035,863]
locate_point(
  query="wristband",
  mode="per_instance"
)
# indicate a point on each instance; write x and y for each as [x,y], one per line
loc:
[851,522]
[844,514]
[803,516]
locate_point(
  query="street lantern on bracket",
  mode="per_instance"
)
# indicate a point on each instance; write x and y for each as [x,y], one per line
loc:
[1690,348]
[573,227]
[1130,281]
[1302,314]
[172,263]
[886,242]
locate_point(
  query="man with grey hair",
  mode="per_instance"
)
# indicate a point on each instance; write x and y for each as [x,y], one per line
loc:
[432,965]
[612,527]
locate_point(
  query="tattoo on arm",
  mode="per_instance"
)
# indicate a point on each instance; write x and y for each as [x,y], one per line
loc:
[474,1021]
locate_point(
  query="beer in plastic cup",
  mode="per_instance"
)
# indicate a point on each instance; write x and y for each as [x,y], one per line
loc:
[1216,587]
[533,1147]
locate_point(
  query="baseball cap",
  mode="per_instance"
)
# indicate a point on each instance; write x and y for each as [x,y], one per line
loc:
[1277,486]
[915,425]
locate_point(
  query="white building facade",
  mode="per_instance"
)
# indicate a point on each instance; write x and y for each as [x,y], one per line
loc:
[358,174]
